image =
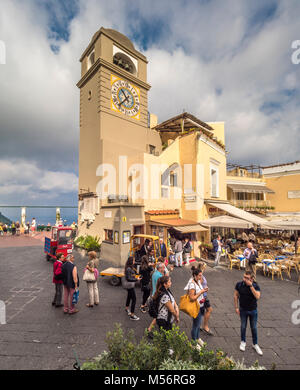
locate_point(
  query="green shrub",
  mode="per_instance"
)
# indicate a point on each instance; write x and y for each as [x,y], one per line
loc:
[171,364]
[168,350]
[89,243]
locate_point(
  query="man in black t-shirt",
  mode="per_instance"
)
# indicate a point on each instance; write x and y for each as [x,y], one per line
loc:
[246,295]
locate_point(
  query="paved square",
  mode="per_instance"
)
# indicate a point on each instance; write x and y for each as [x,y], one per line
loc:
[39,336]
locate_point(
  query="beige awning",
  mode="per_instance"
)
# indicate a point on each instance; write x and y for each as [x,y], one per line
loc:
[182,225]
[226,221]
[254,188]
[284,225]
[234,211]
[191,228]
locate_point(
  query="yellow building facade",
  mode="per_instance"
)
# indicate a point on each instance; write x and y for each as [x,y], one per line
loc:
[247,189]
[284,180]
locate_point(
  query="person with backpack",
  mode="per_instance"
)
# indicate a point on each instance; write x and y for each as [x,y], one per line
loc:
[217,247]
[13,228]
[251,256]
[5,229]
[164,301]
[145,272]
[156,275]
[57,280]
[71,284]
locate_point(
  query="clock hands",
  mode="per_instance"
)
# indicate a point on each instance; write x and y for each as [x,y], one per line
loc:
[123,93]
[126,97]
[123,101]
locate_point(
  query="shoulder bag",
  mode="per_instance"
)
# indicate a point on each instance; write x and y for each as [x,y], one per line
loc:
[89,276]
[189,307]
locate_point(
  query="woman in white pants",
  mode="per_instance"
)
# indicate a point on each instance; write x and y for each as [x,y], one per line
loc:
[93,286]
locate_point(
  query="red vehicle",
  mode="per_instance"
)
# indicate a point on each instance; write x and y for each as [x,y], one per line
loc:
[61,241]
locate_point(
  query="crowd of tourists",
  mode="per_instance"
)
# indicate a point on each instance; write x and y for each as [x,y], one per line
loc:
[157,298]
[28,228]
[16,228]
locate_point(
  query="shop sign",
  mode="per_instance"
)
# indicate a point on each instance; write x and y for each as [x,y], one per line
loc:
[189,198]
[293,194]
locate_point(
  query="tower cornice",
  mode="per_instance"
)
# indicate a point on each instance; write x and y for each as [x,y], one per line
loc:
[113,68]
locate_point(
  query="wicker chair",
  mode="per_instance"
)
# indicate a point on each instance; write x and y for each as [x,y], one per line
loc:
[260,265]
[233,262]
[284,267]
[274,269]
[292,263]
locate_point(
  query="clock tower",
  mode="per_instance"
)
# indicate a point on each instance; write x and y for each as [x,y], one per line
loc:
[114,122]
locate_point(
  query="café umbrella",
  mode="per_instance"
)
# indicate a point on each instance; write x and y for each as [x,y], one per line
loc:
[226,221]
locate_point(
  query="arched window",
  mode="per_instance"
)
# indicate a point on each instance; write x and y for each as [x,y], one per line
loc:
[91,59]
[171,177]
[125,62]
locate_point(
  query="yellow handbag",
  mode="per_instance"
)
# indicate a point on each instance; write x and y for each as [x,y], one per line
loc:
[189,307]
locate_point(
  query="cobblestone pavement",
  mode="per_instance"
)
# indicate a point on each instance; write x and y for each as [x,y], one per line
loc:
[39,336]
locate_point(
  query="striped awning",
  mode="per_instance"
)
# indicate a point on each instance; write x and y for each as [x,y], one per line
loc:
[235,212]
[182,225]
[254,188]
[226,221]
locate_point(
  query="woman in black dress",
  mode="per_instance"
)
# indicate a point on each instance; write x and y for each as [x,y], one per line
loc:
[145,272]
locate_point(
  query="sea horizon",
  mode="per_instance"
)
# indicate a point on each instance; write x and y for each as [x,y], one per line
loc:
[43,216]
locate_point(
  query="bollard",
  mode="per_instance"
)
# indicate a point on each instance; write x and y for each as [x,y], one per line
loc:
[2,313]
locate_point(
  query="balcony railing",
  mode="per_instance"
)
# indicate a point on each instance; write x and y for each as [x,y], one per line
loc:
[254,175]
[251,204]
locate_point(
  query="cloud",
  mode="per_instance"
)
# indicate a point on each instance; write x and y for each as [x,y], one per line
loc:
[25,180]
[222,61]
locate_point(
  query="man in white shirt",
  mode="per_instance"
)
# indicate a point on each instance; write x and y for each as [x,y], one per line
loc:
[178,253]
[217,244]
[251,256]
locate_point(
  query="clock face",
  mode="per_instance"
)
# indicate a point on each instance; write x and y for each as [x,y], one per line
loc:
[125,97]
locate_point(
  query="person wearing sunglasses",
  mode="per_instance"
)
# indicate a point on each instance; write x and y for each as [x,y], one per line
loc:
[246,295]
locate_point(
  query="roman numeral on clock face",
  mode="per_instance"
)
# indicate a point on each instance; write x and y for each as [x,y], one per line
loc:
[125,98]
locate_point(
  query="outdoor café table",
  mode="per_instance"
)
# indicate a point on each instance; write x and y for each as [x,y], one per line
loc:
[267,262]
[242,260]
[280,257]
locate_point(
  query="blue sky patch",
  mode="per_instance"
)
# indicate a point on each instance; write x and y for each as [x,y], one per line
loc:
[147,32]
[60,14]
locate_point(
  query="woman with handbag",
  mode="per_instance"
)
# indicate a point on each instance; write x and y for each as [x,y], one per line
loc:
[195,292]
[90,276]
[129,284]
[145,271]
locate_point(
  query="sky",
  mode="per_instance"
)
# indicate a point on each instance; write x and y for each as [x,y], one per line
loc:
[228,61]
